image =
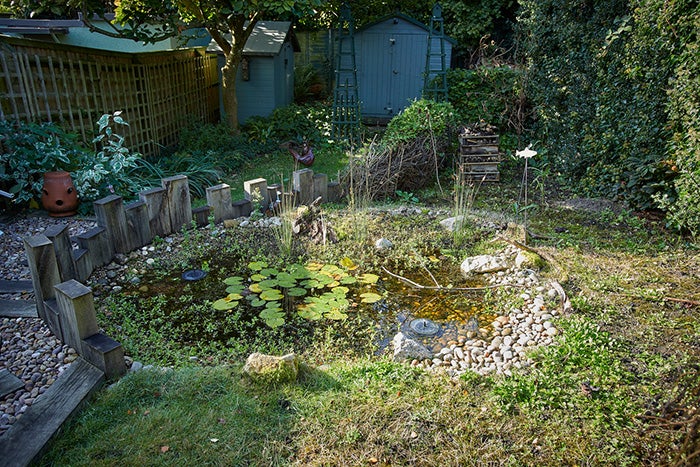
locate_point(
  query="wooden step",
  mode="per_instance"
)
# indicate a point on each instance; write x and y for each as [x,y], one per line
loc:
[18,309]
[15,286]
[26,439]
[9,382]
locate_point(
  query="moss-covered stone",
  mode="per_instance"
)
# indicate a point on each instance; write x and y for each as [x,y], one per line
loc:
[270,369]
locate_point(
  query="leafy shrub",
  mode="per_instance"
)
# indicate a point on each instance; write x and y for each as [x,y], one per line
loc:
[422,119]
[310,122]
[490,94]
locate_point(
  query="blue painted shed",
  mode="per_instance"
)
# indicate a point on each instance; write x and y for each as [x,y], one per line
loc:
[266,76]
[390,57]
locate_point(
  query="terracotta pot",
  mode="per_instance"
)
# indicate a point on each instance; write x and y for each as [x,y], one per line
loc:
[59,197]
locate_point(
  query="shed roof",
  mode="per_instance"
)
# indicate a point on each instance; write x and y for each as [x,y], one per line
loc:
[408,19]
[267,39]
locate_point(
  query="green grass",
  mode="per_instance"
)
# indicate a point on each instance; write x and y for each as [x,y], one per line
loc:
[624,338]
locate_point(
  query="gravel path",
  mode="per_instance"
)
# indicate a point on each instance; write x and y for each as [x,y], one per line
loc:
[29,350]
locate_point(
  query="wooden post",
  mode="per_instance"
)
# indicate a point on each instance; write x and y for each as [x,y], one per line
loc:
[76,312]
[139,224]
[83,264]
[272,192]
[219,198]
[106,354]
[258,185]
[44,269]
[334,192]
[99,247]
[303,184]
[158,215]
[58,235]
[201,215]
[179,203]
[321,187]
[242,208]
[112,216]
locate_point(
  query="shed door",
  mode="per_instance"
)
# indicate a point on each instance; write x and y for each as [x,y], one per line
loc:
[391,66]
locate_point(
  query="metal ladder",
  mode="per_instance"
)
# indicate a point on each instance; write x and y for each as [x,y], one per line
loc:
[435,79]
[346,102]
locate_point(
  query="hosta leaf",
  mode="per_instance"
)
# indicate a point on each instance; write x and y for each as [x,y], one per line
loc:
[370,297]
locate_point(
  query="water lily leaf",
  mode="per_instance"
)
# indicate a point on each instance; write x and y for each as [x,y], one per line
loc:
[333,284]
[256,302]
[309,312]
[267,272]
[348,280]
[297,271]
[314,266]
[335,314]
[348,264]
[285,277]
[257,265]
[340,290]
[324,280]
[271,294]
[255,288]
[370,297]
[224,304]
[235,280]
[233,296]
[268,284]
[257,277]
[331,269]
[273,306]
[238,288]
[296,292]
[368,278]
[272,318]
[311,284]
[287,284]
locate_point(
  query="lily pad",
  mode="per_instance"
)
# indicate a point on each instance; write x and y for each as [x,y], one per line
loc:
[256,302]
[257,277]
[267,272]
[224,304]
[257,265]
[296,292]
[235,288]
[348,280]
[268,284]
[370,297]
[235,280]
[255,288]
[368,278]
[309,312]
[271,294]
[348,264]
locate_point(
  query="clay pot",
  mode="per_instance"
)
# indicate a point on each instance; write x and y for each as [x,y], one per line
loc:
[59,197]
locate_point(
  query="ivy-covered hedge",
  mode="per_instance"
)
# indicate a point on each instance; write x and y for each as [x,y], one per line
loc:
[614,88]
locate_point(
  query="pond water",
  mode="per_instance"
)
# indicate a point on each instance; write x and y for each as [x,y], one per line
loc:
[433,317]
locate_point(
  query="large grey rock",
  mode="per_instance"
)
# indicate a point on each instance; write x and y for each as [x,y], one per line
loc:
[483,264]
[271,369]
[408,349]
[383,244]
[452,223]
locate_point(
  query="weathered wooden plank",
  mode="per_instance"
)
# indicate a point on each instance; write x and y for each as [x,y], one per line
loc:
[26,439]
[334,192]
[219,198]
[58,234]
[9,382]
[139,224]
[256,192]
[99,247]
[83,263]
[76,312]
[158,214]
[106,354]
[321,187]
[303,184]
[201,215]
[179,201]
[44,269]
[15,286]
[242,208]
[111,215]
[18,309]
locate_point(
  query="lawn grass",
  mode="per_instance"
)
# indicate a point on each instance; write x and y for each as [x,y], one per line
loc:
[634,334]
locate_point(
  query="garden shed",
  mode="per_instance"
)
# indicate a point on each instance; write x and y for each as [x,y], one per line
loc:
[266,74]
[391,55]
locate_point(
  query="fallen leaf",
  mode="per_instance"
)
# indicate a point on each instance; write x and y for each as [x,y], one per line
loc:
[414,435]
[146,412]
[373,460]
[214,440]
[164,449]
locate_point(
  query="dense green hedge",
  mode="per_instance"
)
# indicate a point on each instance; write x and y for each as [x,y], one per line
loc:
[614,88]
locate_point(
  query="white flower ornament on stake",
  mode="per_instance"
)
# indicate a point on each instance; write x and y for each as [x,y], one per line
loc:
[526,154]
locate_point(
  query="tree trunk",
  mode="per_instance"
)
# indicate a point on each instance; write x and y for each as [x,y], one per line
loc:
[228,81]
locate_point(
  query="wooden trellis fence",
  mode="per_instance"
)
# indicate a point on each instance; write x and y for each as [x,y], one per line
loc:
[159,92]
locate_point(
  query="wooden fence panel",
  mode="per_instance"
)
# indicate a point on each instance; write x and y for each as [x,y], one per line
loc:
[158,92]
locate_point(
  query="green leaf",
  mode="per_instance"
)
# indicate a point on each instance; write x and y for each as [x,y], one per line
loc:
[257,277]
[257,265]
[271,294]
[267,272]
[257,302]
[368,278]
[224,304]
[296,292]
[235,288]
[370,297]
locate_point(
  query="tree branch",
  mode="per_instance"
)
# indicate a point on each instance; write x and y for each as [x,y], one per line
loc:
[447,289]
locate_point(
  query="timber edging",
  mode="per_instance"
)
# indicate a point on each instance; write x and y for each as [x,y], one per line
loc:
[27,438]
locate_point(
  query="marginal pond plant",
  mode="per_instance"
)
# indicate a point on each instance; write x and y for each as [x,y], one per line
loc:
[313,290]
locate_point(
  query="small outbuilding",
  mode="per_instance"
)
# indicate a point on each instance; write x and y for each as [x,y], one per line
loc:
[266,75]
[390,57]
